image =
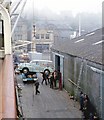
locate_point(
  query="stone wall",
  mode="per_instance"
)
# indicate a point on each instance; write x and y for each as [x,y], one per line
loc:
[90,82]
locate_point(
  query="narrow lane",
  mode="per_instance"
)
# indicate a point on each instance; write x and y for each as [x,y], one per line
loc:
[49,103]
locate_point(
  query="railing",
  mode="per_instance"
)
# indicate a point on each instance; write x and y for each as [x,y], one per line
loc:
[7,89]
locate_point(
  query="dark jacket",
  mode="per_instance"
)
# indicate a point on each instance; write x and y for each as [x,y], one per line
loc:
[36,83]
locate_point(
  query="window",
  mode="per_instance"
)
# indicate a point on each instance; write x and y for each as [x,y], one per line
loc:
[47,36]
[42,47]
[45,47]
[37,36]
[42,36]
[38,47]
[19,37]
[1,34]
[1,27]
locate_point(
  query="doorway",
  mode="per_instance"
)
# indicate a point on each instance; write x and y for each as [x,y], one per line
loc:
[57,62]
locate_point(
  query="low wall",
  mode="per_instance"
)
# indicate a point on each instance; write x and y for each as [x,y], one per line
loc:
[7,90]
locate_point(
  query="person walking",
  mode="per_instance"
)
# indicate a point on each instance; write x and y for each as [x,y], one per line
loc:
[37,87]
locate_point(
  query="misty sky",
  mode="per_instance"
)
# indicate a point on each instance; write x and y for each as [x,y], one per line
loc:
[76,6]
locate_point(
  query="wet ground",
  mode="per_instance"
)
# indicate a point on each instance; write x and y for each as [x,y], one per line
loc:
[50,103]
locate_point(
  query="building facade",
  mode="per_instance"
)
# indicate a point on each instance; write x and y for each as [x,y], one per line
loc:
[20,33]
[42,40]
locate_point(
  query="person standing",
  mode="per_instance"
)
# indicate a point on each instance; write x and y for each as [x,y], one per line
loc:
[60,80]
[81,100]
[88,108]
[54,78]
[51,80]
[44,78]
[47,76]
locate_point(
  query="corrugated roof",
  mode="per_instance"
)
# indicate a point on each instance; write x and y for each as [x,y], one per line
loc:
[83,46]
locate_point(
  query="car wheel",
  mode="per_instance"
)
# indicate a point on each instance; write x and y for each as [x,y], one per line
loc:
[25,70]
[47,72]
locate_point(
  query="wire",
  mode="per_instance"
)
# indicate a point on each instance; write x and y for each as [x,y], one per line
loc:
[15,8]
[18,18]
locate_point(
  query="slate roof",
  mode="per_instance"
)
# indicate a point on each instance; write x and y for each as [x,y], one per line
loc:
[86,46]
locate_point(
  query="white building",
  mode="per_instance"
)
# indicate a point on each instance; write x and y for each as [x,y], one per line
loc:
[42,40]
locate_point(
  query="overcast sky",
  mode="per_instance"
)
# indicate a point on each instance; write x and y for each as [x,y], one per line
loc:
[76,6]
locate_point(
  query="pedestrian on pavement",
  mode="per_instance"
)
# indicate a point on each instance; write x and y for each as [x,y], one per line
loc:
[47,76]
[81,100]
[44,78]
[88,109]
[86,106]
[55,78]
[59,79]
[51,80]
[37,87]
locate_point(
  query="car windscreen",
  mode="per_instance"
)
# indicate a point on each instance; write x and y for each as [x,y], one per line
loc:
[43,63]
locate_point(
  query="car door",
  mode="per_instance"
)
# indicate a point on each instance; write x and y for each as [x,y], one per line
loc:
[36,66]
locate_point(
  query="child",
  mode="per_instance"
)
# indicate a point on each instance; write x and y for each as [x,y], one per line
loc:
[36,87]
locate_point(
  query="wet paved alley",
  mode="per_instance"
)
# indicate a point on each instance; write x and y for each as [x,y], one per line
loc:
[50,103]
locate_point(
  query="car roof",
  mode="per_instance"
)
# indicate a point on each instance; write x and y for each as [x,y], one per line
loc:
[40,61]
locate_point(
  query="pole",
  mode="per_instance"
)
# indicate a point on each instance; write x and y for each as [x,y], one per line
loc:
[79,25]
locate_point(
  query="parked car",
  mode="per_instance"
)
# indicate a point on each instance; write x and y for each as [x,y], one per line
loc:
[28,77]
[37,66]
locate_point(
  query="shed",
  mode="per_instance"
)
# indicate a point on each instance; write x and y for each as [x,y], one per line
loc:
[69,55]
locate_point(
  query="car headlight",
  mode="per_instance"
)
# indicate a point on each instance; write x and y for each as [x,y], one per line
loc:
[24,79]
[35,79]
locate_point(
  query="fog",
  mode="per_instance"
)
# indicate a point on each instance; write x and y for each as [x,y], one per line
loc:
[65,16]
[89,21]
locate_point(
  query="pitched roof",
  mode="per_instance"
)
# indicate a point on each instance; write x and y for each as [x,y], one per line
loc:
[88,46]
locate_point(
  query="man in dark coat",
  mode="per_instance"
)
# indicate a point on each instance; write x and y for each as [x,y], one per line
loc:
[81,100]
[44,78]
